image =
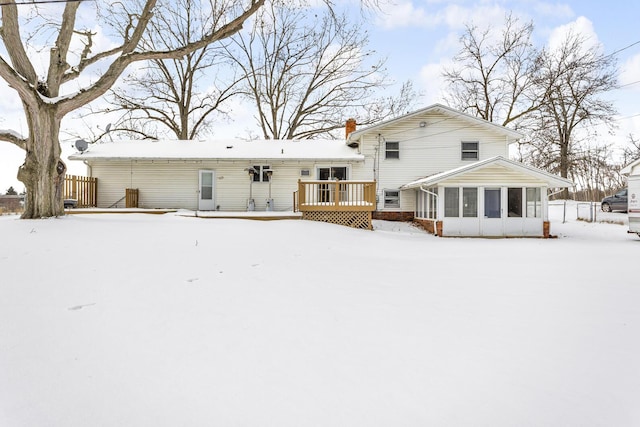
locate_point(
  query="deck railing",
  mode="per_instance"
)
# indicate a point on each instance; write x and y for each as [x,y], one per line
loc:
[84,189]
[335,195]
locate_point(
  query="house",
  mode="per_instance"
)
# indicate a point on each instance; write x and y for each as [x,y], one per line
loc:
[450,171]
[447,169]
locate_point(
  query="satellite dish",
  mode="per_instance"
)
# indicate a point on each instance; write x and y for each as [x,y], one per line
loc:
[107,128]
[81,145]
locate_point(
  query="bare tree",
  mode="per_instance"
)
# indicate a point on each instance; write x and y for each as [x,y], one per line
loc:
[631,152]
[577,75]
[305,74]
[176,96]
[553,95]
[493,74]
[46,104]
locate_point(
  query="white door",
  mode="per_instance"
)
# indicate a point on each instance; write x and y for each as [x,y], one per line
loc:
[492,222]
[206,199]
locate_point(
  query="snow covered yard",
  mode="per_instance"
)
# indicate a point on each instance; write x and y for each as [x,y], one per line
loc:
[145,320]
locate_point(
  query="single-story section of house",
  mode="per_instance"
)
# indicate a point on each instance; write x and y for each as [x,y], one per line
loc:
[224,175]
[495,197]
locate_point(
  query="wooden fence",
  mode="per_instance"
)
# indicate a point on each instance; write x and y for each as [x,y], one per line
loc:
[84,189]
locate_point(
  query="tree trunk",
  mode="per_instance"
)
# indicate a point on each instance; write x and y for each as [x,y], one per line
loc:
[43,170]
[564,163]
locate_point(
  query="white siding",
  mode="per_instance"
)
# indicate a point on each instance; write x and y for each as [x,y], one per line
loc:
[174,184]
[424,151]
[495,175]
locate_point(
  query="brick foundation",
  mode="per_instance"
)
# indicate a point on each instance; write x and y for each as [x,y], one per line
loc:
[427,224]
[393,216]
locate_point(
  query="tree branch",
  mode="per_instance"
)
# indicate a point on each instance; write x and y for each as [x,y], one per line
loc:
[129,55]
[14,138]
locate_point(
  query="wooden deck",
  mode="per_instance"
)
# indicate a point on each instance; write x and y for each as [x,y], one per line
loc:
[347,203]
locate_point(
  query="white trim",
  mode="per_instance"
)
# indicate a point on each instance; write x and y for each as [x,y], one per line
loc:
[514,135]
[550,179]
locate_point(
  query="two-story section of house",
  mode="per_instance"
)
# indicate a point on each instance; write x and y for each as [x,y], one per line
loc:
[450,171]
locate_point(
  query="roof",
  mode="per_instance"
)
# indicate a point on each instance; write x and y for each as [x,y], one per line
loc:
[443,109]
[553,180]
[627,169]
[234,149]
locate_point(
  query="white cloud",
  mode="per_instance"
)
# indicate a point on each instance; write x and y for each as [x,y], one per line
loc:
[402,14]
[630,73]
[431,82]
[582,26]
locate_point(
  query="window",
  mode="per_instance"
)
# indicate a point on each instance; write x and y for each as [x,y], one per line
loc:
[451,202]
[331,173]
[534,203]
[392,150]
[262,173]
[470,202]
[391,198]
[470,151]
[514,204]
[492,203]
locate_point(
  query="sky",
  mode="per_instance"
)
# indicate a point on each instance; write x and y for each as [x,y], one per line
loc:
[173,320]
[419,38]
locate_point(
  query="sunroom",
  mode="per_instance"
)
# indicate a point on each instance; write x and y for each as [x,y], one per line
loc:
[495,197]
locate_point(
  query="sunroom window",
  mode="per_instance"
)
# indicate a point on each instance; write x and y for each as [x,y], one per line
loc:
[534,203]
[451,202]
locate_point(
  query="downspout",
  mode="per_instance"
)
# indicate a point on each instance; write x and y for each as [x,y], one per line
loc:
[376,166]
[89,168]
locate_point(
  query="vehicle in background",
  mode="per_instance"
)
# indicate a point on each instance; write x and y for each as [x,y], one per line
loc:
[617,202]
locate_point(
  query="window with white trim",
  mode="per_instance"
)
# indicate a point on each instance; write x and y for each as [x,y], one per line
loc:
[262,173]
[470,150]
[391,198]
[514,202]
[470,202]
[534,203]
[392,150]
[451,202]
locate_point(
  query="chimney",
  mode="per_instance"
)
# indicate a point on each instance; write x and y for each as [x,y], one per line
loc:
[349,127]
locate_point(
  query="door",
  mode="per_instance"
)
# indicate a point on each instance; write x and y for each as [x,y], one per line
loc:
[326,191]
[206,200]
[492,224]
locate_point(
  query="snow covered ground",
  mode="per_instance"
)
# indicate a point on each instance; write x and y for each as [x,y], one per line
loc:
[164,320]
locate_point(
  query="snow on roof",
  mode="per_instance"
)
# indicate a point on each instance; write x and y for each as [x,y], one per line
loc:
[234,149]
[553,180]
[625,171]
[443,109]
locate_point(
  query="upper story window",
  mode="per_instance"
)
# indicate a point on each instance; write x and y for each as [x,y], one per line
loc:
[262,174]
[470,150]
[392,150]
